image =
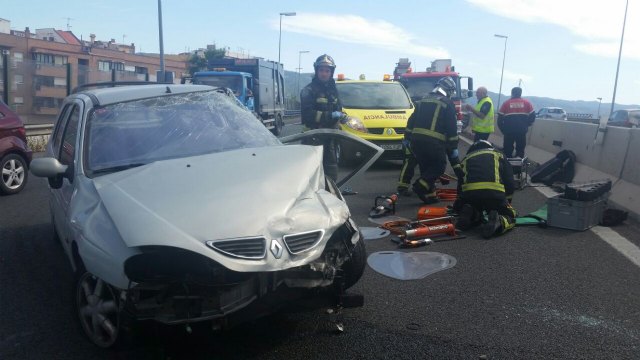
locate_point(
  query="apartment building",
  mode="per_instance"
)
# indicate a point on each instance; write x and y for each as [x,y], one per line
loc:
[42,66]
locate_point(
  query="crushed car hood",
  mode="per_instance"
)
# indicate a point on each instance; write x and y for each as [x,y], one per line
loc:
[267,191]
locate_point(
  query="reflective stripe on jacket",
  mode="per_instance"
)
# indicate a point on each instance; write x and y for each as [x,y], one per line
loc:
[434,117]
[487,174]
[483,125]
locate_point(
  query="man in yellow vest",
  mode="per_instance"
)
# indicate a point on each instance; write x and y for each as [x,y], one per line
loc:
[482,115]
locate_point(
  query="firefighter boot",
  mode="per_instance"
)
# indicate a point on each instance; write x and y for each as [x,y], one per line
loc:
[465,220]
[492,225]
[404,191]
[425,191]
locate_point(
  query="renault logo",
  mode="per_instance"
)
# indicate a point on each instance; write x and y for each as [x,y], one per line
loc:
[276,249]
[389,131]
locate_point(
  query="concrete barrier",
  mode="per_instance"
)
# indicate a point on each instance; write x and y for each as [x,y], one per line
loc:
[617,157]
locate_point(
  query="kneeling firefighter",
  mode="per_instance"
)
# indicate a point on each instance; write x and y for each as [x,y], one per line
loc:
[487,185]
[432,135]
[321,109]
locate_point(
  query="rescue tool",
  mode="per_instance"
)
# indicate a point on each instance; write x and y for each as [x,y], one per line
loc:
[383,205]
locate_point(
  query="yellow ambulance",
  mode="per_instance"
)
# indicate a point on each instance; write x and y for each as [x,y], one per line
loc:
[378,112]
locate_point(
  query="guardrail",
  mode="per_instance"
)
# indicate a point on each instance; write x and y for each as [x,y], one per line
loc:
[39,130]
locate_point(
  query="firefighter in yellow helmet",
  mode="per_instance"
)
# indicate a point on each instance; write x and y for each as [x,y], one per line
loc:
[321,109]
[486,186]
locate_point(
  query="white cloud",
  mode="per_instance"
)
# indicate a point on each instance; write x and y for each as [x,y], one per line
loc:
[358,30]
[598,24]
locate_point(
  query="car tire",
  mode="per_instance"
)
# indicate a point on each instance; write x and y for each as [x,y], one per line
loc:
[14,174]
[97,306]
[354,267]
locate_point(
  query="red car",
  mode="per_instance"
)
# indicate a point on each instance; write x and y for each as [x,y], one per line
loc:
[15,155]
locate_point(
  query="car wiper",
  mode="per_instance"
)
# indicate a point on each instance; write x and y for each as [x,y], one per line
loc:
[117,168]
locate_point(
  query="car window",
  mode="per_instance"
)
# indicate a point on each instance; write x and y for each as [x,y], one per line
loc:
[167,127]
[68,148]
[369,95]
[59,128]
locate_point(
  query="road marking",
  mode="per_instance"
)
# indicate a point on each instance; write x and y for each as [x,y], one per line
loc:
[617,241]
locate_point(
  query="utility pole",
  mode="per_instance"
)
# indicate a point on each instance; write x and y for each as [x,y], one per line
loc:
[615,86]
[162,75]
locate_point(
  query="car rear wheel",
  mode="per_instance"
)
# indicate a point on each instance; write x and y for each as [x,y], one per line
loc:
[14,174]
[97,309]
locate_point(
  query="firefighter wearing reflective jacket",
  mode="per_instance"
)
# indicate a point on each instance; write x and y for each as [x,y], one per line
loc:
[487,185]
[321,109]
[432,136]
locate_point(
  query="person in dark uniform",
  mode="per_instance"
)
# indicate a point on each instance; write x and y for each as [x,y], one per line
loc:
[486,185]
[321,109]
[432,136]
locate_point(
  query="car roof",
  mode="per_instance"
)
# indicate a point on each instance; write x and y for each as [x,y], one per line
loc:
[552,108]
[112,95]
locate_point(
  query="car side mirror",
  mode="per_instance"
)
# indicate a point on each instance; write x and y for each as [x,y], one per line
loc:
[50,168]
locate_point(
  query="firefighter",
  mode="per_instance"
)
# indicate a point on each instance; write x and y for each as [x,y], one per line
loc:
[321,109]
[487,185]
[432,136]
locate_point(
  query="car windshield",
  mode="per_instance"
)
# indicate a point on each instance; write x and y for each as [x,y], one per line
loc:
[371,95]
[419,87]
[233,82]
[143,131]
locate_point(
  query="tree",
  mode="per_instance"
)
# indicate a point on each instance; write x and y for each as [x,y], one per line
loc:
[199,63]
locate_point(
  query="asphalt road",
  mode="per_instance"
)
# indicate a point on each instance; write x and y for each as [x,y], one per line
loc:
[532,293]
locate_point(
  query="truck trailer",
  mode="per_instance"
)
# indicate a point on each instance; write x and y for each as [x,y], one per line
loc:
[257,83]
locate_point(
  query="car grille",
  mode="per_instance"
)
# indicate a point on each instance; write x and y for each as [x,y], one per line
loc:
[380,131]
[245,248]
[297,243]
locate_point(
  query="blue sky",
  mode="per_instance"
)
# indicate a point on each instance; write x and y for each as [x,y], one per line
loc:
[558,48]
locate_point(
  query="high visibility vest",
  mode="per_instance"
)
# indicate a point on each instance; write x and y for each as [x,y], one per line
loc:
[483,125]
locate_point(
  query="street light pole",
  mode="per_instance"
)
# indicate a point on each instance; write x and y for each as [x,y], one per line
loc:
[299,68]
[280,33]
[615,85]
[504,55]
[599,103]
[162,76]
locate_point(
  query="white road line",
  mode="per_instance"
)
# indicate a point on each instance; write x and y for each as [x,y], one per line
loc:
[617,241]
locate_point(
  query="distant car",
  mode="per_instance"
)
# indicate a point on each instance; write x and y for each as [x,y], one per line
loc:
[378,112]
[552,113]
[627,118]
[175,204]
[15,154]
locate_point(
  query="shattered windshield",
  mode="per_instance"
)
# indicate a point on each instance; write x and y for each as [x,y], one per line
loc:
[143,131]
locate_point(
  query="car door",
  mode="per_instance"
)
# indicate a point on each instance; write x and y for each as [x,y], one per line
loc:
[65,149]
[370,152]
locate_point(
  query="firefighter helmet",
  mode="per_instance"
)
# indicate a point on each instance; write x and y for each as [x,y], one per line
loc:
[324,60]
[480,145]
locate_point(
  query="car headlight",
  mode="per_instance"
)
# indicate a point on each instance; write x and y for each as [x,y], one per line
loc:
[355,123]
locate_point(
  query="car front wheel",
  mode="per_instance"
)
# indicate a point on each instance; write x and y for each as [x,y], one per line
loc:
[97,308]
[14,174]
[354,267]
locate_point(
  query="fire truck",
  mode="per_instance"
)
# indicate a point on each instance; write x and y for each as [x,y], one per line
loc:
[420,83]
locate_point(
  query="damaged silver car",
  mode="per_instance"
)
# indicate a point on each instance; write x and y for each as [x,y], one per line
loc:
[174,203]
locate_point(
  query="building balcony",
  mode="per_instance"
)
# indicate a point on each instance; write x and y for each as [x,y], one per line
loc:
[50,70]
[51,91]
